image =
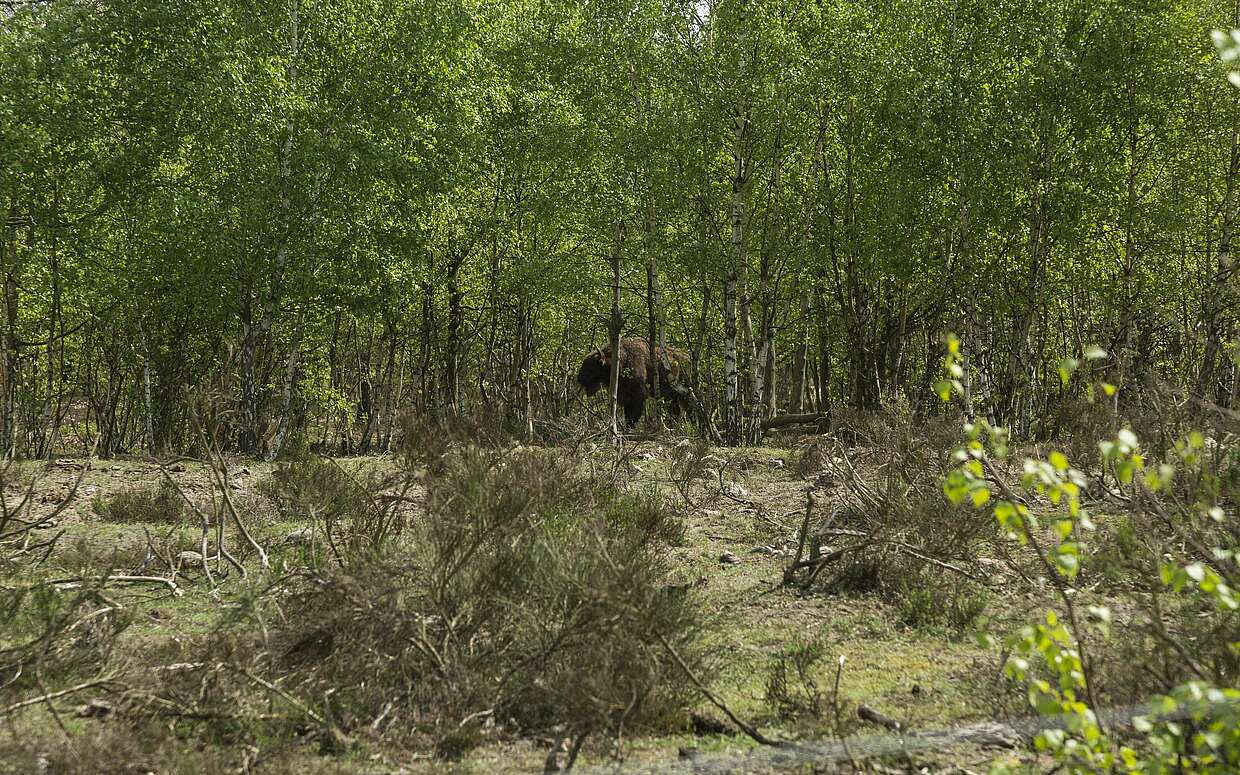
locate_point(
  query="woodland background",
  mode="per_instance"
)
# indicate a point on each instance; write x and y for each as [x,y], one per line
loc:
[332,211]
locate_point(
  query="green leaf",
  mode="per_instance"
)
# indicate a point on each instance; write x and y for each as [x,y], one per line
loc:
[1059,460]
[1066,368]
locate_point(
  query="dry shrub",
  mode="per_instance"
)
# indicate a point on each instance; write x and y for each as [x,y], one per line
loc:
[355,510]
[54,633]
[691,461]
[526,595]
[490,425]
[896,427]
[1161,415]
[1079,427]
[158,503]
[105,749]
[890,531]
[915,552]
[809,458]
[53,637]
[89,556]
[570,430]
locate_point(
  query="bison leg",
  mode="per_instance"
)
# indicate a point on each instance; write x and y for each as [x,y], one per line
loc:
[633,411]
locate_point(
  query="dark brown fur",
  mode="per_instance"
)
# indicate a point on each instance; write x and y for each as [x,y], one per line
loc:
[637,369]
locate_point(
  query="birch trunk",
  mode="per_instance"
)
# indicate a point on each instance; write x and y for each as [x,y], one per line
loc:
[255,336]
[735,290]
[654,304]
[615,325]
[456,319]
[800,358]
[12,363]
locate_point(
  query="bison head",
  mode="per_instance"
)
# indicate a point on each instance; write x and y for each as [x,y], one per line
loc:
[595,371]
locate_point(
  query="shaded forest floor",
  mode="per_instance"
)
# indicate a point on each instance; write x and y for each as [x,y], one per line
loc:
[922,667]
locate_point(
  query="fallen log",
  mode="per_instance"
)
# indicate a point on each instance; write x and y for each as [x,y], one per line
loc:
[988,733]
[866,713]
[794,419]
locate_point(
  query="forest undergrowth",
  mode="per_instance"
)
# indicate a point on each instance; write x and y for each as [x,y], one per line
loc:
[479,603]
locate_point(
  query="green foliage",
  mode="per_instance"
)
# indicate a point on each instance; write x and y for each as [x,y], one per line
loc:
[793,686]
[925,602]
[339,209]
[356,511]
[1190,729]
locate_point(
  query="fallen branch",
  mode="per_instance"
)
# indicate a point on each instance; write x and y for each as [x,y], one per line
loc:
[793,419]
[866,713]
[691,397]
[718,703]
[926,558]
[269,686]
[74,583]
[809,509]
[53,696]
[203,521]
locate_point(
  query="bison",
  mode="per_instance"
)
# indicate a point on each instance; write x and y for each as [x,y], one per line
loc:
[637,370]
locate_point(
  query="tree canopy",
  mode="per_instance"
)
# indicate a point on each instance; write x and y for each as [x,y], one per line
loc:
[331,212]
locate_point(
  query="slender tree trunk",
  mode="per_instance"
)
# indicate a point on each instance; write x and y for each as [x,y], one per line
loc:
[386,398]
[731,383]
[1018,381]
[255,336]
[148,404]
[762,366]
[12,354]
[654,309]
[525,363]
[772,245]
[961,269]
[1221,295]
[335,378]
[826,257]
[456,319]
[52,398]
[1125,360]
[615,325]
[800,358]
[736,291]
[287,387]
[425,379]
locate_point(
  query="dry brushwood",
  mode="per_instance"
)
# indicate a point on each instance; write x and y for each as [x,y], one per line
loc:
[527,593]
[18,524]
[62,629]
[889,531]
